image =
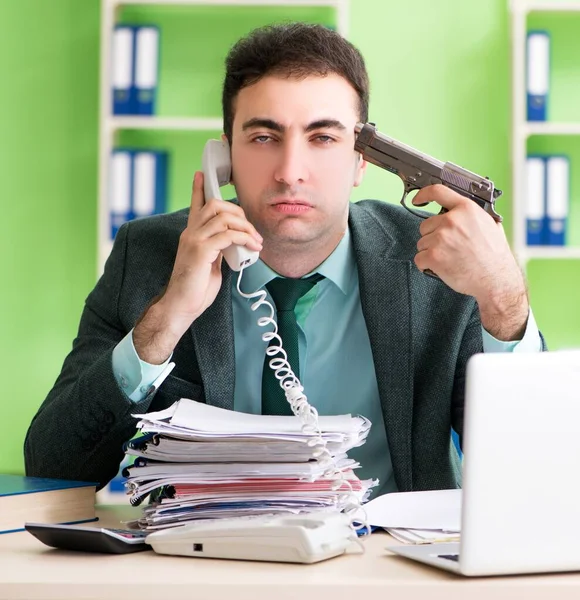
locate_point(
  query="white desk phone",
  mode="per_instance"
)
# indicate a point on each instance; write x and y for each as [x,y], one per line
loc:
[306,538]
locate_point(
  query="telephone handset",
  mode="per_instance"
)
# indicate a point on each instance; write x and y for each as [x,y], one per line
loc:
[217,170]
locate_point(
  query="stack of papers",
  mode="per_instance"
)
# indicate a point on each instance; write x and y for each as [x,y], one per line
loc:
[418,517]
[201,462]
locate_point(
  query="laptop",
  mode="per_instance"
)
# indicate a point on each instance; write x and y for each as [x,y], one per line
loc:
[521,470]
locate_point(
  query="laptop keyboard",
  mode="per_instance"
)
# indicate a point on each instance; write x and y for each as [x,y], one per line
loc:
[454,557]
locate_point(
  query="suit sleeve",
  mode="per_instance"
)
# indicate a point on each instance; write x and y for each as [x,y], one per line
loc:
[79,430]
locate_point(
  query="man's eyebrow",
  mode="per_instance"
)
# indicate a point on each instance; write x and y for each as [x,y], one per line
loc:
[325,124]
[263,123]
[257,122]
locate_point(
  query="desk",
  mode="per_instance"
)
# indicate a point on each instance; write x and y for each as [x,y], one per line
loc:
[30,570]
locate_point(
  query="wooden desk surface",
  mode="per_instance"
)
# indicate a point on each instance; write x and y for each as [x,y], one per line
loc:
[30,570]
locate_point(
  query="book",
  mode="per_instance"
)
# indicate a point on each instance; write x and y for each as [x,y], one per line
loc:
[43,500]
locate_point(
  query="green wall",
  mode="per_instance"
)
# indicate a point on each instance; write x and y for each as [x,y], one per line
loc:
[440,82]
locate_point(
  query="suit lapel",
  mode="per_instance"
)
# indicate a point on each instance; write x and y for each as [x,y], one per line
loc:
[213,341]
[385,299]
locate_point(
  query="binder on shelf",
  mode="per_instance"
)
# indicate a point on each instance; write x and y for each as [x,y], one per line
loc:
[146,68]
[120,188]
[122,69]
[149,183]
[535,200]
[137,185]
[557,199]
[538,75]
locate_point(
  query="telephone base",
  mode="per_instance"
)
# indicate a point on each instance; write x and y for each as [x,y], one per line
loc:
[294,538]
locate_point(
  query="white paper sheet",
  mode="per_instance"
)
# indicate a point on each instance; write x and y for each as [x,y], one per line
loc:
[438,509]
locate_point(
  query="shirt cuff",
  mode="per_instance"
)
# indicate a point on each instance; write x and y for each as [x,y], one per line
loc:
[134,376]
[531,342]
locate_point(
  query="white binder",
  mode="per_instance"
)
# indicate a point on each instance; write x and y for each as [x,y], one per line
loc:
[558,199]
[120,189]
[146,68]
[535,200]
[122,70]
[144,184]
[538,74]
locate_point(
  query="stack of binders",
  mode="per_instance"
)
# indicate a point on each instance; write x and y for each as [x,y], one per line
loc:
[202,462]
[138,185]
[135,69]
[548,199]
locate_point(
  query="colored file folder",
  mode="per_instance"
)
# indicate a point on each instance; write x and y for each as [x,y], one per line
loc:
[146,68]
[123,70]
[538,75]
[557,199]
[536,200]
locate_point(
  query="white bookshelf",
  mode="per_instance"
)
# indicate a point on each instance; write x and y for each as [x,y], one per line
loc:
[522,129]
[110,125]
[164,123]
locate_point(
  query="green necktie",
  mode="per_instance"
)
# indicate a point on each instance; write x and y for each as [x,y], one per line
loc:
[285,293]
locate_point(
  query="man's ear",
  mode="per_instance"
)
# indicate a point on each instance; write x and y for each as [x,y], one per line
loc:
[360,170]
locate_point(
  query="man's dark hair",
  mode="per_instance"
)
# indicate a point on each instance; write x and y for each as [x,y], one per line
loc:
[292,50]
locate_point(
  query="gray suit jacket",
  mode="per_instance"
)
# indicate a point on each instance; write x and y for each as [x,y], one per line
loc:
[421,334]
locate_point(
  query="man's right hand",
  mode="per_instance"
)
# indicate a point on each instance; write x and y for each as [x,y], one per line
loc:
[196,278]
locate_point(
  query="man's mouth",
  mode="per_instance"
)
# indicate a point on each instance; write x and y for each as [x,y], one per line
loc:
[291,206]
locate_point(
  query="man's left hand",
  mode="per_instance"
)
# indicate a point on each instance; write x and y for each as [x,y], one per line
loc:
[469,251]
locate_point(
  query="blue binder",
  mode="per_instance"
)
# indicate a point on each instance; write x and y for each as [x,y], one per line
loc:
[538,74]
[146,68]
[149,183]
[123,70]
[557,198]
[536,200]
[120,188]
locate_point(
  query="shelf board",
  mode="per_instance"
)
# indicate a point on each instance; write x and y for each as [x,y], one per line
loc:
[166,123]
[545,6]
[334,3]
[547,128]
[549,252]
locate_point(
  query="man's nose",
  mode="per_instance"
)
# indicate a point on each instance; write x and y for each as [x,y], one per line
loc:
[291,168]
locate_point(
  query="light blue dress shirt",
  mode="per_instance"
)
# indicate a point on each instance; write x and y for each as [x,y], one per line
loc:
[333,344]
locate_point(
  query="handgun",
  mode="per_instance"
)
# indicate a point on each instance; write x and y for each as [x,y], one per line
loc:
[418,170]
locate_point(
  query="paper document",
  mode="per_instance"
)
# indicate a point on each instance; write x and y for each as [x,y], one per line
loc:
[196,416]
[435,510]
[203,462]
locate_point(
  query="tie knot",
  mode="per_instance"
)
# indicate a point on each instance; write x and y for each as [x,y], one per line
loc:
[287,291]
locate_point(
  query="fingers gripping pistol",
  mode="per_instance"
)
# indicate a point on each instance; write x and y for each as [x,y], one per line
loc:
[418,170]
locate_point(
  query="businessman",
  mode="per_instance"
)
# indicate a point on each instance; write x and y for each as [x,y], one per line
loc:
[373,335]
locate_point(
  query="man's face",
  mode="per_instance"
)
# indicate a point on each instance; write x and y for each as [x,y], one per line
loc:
[293,159]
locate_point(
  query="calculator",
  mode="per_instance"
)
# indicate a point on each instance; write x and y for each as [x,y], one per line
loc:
[89,539]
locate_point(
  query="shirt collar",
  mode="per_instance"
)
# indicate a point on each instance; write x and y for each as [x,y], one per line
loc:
[339,267]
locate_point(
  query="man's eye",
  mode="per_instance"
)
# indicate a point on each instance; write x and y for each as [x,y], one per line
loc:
[324,139]
[262,139]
